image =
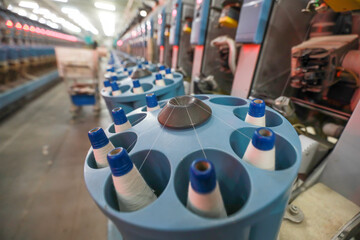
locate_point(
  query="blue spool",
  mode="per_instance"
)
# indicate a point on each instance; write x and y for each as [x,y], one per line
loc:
[255,199]
[130,101]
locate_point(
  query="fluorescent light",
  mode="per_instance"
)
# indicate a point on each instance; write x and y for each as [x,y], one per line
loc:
[105,6]
[41,11]
[22,12]
[42,20]
[108,23]
[51,24]
[63,1]
[71,27]
[143,13]
[33,17]
[69,10]
[28,4]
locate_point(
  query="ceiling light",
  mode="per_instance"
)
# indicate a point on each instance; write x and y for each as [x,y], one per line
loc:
[42,20]
[69,10]
[28,4]
[71,27]
[63,1]
[41,11]
[108,23]
[105,6]
[33,17]
[22,12]
[143,13]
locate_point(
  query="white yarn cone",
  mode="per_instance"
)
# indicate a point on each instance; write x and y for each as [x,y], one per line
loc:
[150,109]
[100,155]
[160,83]
[258,121]
[261,149]
[256,113]
[121,123]
[132,191]
[122,127]
[204,196]
[209,205]
[116,93]
[101,146]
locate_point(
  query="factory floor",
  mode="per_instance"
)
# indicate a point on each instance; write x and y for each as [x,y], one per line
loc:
[42,189]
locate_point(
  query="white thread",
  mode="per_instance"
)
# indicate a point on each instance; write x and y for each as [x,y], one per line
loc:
[108,89]
[100,155]
[192,124]
[258,121]
[160,83]
[157,137]
[206,205]
[153,108]
[224,122]
[132,191]
[162,72]
[260,158]
[122,127]
[137,90]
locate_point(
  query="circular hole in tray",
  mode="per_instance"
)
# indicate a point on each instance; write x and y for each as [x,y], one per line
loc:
[133,119]
[285,155]
[228,101]
[155,171]
[126,140]
[123,89]
[201,97]
[146,87]
[232,177]
[272,119]
[167,82]
[161,104]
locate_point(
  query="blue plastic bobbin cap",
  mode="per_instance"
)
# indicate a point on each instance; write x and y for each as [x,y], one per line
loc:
[125,69]
[119,162]
[158,76]
[114,86]
[168,71]
[151,100]
[114,78]
[107,83]
[119,116]
[130,72]
[140,66]
[263,139]
[97,138]
[146,62]
[202,176]
[136,83]
[162,67]
[257,108]
[111,69]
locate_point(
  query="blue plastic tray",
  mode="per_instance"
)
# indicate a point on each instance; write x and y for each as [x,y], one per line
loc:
[255,199]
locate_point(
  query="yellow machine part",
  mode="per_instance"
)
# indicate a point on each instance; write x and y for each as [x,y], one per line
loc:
[228,22]
[343,5]
[186,29]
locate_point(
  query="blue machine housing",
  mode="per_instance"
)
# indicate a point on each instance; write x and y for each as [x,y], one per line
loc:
[255,199]
[254,16]
[176,23]
[161,28]
[200,22]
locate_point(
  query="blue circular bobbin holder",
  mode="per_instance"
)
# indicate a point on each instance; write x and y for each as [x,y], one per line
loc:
[255,199]
[129,101]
